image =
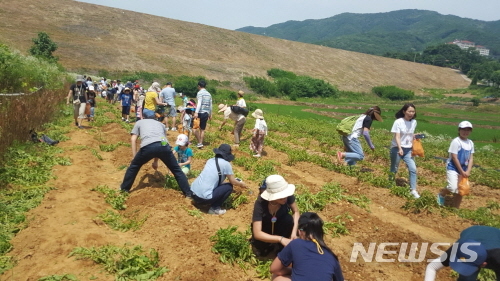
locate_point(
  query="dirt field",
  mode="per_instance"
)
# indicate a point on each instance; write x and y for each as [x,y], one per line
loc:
[67,219]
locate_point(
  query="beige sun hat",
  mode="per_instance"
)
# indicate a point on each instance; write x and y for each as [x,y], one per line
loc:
[258,114]
[222,107]
[277,188]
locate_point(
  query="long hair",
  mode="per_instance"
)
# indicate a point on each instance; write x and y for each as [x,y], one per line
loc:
[401,114]
[371,112]
[312,225]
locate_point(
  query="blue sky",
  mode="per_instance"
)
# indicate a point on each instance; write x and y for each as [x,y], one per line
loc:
[233,14]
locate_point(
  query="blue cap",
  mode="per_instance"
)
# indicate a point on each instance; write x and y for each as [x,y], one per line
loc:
[469,258]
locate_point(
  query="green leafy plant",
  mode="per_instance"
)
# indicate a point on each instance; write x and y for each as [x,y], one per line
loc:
[337,227]
[263,269]
[233,246]
[234,200]
[427,202]
[65,277]
[171,182]
[122,222]
[96,154]
[126,263]
[113,197]
[195,213]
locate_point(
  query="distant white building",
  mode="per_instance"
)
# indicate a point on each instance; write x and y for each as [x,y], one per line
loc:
[464,45]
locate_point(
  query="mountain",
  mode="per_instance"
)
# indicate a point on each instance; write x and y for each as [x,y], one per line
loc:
[397,31]
[92,37]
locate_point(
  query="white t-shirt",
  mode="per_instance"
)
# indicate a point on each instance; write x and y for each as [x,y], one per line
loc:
[405,130]
[241,103]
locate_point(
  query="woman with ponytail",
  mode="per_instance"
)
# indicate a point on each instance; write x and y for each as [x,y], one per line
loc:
[312,260]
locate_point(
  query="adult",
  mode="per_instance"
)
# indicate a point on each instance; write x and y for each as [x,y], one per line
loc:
[239,122]
[353,150]
[307,258]
[89,82]
[154,146]
[272,225]
[402,142]
[478,247]
[209,187]
[139,102]
[241,101]
[167,95]
[119,90]
[459,164]
[203,111]
[151,100]
[91,102]
[78,93]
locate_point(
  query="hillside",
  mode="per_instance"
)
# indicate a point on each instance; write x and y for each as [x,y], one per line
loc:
[92,37]
[397,31]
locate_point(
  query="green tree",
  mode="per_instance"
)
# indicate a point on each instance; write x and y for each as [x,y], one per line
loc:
[43,47]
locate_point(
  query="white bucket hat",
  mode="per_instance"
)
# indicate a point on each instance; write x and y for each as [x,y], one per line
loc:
[258,114]
[465,124]
[277,188]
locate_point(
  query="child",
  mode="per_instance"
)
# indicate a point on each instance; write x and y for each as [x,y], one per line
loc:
[185,154]
[259,132]
[139,99]
[92,101]
[459,163]
[126,98]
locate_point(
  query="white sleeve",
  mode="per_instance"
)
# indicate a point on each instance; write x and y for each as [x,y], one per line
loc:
[432,268]
[454,146]
[395,127]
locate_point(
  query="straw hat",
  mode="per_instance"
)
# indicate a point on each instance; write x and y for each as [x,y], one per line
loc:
[222,107]
[258,114]
[277,188]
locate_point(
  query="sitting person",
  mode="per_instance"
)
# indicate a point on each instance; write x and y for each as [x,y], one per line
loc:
[312,260]
[272,225]
[209,186]
[184,153]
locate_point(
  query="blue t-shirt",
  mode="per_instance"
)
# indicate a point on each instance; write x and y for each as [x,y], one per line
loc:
[308,264]
[204,185]
[183,155]
[168,94]
[126,99]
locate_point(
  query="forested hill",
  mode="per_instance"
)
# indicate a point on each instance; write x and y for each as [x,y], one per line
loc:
[397,31]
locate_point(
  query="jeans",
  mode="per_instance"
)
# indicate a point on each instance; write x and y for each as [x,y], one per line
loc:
[219,195]
[410,163]
[354,151]
[148,152]
[148,114]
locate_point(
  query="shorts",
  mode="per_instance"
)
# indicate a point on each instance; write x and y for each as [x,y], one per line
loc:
[203,120]
[170,111]
[452,179]
[109,96]
[126,109]
[79,110]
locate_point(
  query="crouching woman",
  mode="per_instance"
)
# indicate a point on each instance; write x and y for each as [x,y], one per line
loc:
[312,260]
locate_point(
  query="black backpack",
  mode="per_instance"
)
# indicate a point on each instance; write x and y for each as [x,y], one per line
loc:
[239,110]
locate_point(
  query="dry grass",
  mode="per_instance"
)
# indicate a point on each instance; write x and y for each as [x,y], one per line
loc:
[97,37]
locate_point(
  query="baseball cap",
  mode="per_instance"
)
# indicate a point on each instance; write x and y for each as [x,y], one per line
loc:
[465,124]
[469,258]
[182,139]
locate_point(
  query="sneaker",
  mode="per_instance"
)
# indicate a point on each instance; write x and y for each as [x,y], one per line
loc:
[127,121]
[200,145]
[415,194]
[440,200]
[256,155]
[80,127]
[217,211]
[173,129]
[123,119]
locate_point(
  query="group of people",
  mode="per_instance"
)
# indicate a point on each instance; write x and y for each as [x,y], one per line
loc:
[460,158]
[278,228]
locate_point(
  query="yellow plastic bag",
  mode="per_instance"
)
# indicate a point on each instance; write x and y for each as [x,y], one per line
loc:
[417,149]
[196,123]
[463,186]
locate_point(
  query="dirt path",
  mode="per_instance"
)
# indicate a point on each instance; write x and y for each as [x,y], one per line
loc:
[67,218]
